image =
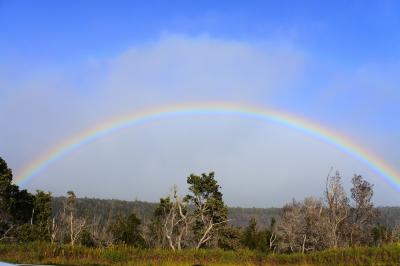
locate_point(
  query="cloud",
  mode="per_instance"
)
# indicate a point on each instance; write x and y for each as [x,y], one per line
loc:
[48,104]
[181,69]
[258,163]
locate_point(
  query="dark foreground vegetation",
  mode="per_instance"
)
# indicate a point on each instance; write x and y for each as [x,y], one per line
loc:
[195,228]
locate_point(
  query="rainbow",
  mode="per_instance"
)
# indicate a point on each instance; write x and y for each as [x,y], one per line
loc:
[229,109]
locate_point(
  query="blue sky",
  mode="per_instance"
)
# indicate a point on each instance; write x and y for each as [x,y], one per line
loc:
[66,65]
[348,32]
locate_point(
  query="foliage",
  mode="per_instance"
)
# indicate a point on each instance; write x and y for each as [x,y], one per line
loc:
[126,230]
[23,216]
[229,238]
[15,205]
[250,235]
[156,226]
[210,210]
[256,239]
[41,214]
[86,239]
[197,220]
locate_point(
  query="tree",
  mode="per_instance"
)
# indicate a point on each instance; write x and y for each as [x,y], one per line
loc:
[250,236]
[171,221]
[273,236]
[363,212]
[337,209]
[291,228]
[41,214]
[381,235]
[37,228]
[15,205]
[126,230]
[303,226]
[86,239]
[229,238]
[254,238]
[210,211]
[395,235]
[156,228]
[75,224]
[315,225]
[177,220]
[5,197]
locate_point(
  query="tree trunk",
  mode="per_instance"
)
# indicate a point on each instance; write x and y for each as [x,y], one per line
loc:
[72,229]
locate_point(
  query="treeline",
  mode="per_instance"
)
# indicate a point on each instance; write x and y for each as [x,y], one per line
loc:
[197,220]
[104,210]
[101,209]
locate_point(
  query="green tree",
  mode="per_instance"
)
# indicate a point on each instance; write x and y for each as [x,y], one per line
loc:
[86,239]
[229,238]
[253,238]
[5,195]
[210,209]
[156,230]
[250,235]
[15,205]
[381,235]
[42,214]
[38,226]
[127,231]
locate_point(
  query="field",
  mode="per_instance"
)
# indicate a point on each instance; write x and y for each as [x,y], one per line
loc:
[41,253]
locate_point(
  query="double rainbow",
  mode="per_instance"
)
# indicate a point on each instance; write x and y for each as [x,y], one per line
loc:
[271,115]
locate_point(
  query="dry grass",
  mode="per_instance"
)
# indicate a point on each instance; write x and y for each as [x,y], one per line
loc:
[43,253]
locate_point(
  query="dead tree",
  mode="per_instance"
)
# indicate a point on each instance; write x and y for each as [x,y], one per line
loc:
[363,213]
[53,230]
[177,220]
[337,208]
[74,224]
[291,227]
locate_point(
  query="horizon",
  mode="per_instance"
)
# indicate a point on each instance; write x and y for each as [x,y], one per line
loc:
[229,206]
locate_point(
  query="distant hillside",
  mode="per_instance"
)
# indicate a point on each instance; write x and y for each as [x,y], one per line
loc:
[104,210]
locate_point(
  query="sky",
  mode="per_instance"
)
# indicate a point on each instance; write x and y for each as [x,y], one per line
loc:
[66,66]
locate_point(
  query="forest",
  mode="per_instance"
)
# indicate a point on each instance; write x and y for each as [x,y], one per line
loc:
[192,224]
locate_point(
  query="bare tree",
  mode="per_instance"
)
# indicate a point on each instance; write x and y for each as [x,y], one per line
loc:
[363,212]
[396,233]
[177,220]
[302,226]
[291,230]
[99,232]
[208,225]
[337,208]
[272,238]
[74,224]
[54,230]
[315,220]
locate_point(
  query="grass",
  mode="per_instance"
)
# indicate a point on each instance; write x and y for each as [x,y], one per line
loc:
[43,253]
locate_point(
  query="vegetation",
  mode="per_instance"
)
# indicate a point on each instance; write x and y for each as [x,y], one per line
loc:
[102,210]
[194,228]
[43,253]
